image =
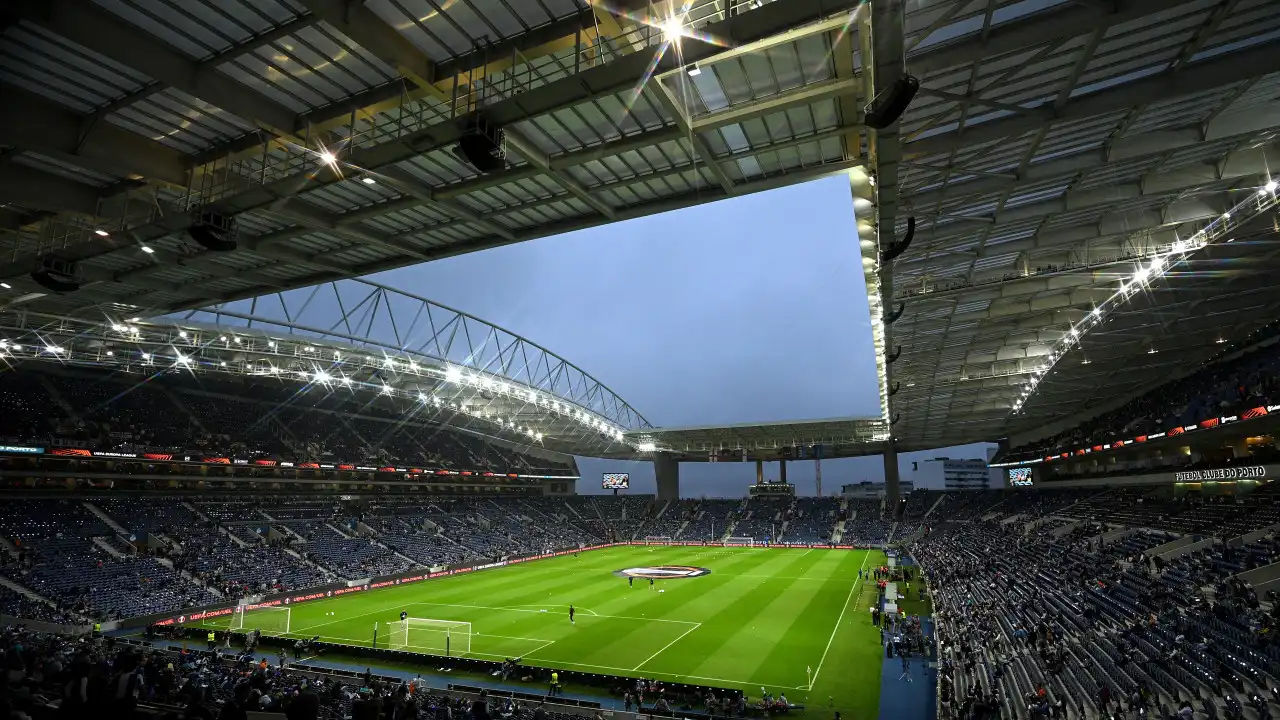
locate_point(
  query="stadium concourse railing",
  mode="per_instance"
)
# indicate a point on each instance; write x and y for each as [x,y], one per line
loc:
[322,592]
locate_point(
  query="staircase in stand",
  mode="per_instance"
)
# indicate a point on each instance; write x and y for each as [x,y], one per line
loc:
[334,528]
[111,550]
[106,518]
[934,506]
[23,590]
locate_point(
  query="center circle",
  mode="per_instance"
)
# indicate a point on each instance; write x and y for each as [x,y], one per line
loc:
[662,572]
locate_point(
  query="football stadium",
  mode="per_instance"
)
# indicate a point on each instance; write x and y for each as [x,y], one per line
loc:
[269,450]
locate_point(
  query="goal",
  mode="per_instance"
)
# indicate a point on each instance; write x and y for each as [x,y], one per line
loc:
[740,541]
[657,540]
[439,637]
[270,620]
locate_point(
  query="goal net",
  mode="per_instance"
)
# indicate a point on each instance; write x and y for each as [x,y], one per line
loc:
[657,539]
[440,637]
[740,541]
[270,620]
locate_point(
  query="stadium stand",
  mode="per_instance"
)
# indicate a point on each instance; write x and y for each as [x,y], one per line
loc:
[1060,603]
[1234,384]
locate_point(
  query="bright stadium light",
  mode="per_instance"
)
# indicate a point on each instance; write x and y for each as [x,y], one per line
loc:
[321,376]
[386,389]
[1270,186]
[672,29]
[646,447]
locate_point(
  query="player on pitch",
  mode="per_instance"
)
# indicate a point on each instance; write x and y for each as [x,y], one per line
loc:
[571,615]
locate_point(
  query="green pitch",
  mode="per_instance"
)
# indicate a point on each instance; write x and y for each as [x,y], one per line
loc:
[760,618]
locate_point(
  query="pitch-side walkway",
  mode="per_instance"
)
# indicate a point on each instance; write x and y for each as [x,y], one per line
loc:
[431,678]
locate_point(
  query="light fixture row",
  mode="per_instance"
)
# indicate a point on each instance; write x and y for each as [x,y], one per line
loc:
[1142,276]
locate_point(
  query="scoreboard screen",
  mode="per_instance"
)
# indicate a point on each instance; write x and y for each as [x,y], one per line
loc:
[1019,477]
[616,481]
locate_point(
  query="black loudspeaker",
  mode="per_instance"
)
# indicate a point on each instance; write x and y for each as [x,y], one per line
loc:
[893,316]
[56,273]
[214,231]
[889,105]
[482,146]
[893,390]
[894,356]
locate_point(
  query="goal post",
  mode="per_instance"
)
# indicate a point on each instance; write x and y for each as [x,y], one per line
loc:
[437,637]
[657,540]
[270,620]
[740,542]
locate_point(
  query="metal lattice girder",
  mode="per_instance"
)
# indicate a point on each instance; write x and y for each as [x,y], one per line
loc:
[382,320]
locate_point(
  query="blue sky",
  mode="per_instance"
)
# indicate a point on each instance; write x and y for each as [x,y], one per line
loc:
[751,309]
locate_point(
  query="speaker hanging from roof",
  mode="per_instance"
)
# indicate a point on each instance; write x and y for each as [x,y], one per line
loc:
[56,273]
[899,247]
[885,109]
[893,316]
[896,352]
[213,230]
[893,390]
[483,145]
[894,421]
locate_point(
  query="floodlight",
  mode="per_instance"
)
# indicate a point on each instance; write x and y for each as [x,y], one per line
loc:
[271,344]
[182,334]
[222,338]
[368,180]
[110,354]
[1270,186]
[672,29]
[146,249]
[101,233]
[328,158]
[386,389]
[6,286]
[238,341]
[646,447]
[183,359]
[146,356]
[321,377]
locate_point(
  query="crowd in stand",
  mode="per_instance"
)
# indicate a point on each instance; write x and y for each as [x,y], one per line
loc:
[1086,603]
[234,418]
[1237,382]
[55,676]
[104,556]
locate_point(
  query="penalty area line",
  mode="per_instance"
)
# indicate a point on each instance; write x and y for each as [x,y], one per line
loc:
[856,586]
[664,647]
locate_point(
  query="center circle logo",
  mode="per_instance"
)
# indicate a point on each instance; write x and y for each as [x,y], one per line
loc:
[663,572]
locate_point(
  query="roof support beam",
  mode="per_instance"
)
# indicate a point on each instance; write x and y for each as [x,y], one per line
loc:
[30,122]
[1024,33]
[31,188]
[1255,61]
[700,146]
[272,244]
[104,32]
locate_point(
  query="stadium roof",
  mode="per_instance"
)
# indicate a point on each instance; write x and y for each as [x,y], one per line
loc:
[1053,144]
[1056,152]
[839,437]
[429,362]
[118,120]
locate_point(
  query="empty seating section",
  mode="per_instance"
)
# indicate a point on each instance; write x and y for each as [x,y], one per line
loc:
[140,514]
[864,526]
[234,570]
[709,520]
[811,520]
[235,417]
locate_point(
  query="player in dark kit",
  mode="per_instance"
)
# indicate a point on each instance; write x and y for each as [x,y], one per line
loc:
[631,582]
[571,615]
[650,583]
[403,614]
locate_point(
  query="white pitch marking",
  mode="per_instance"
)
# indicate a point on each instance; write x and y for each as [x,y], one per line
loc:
[856,583]
[513,609]
[664,647]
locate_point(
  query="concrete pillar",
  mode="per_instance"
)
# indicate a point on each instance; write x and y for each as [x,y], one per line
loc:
[667,471]
[782,470]
[759,471]
[891,490]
